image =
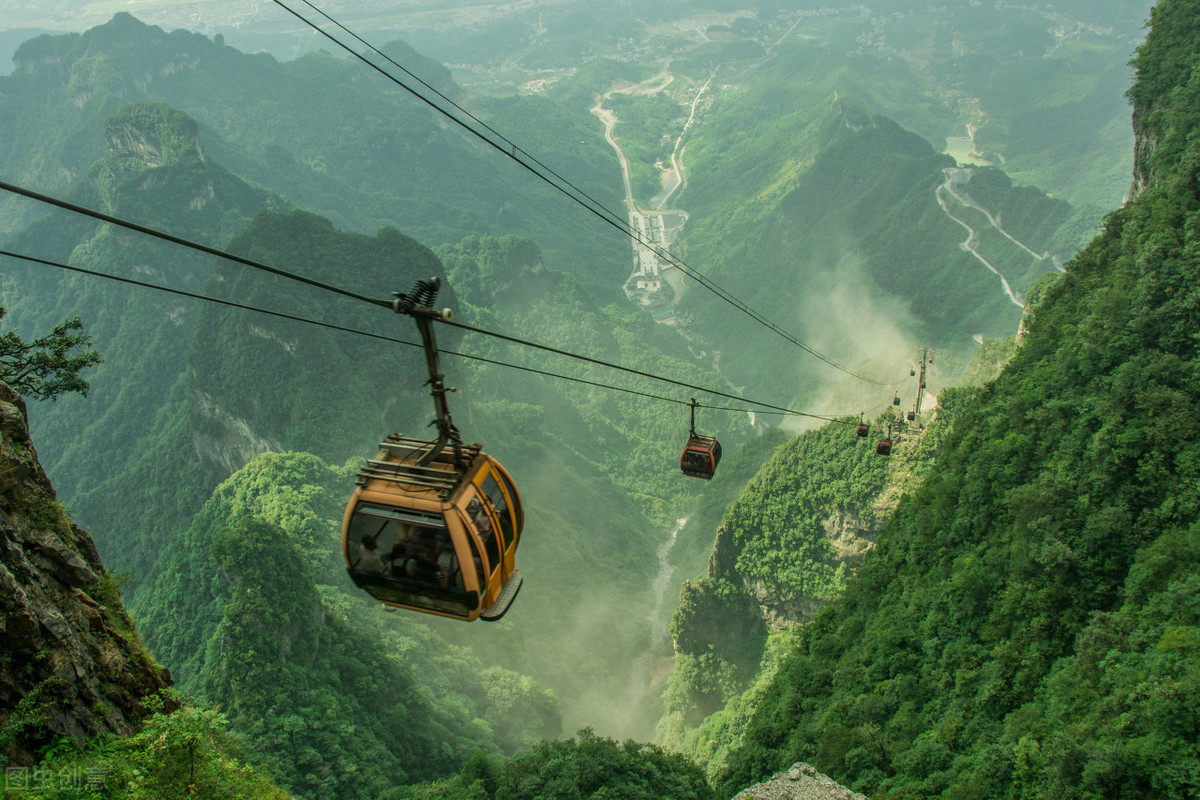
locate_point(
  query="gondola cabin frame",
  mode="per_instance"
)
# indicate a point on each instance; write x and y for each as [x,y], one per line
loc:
[442,536]
[700,457]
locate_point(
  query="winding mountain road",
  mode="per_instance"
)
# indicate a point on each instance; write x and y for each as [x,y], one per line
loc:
[655,224]
[972,240]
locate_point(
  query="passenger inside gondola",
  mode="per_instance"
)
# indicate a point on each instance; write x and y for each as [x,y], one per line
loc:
[424,562]
[368,554]
[418,561]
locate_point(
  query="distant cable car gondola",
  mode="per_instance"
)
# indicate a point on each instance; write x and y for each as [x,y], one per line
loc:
[896,400]
[702,453]
[863,428]
[884,447]
[912,415]
[434,525]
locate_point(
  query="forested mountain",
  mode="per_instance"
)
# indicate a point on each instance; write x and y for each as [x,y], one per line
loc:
[975,616]
[1025,625]
[337,140]
[861,220]
[254,607]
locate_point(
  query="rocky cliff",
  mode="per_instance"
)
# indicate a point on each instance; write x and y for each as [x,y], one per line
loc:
[71,663]
[1165,95]
[801,782]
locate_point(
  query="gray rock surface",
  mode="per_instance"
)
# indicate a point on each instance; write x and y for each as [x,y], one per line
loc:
[800,782]
[71,663]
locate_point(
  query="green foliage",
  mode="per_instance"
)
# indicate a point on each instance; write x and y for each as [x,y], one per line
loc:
[710,741]
[777,524]
[1025,626]
[521,712]
[304,375]
[1165,94]
[184,754]
[253,612]
[647,127]
[989,359]
[30,711]
[45,513]
[1025,212]
[589,767]
[111,587]
[45,367]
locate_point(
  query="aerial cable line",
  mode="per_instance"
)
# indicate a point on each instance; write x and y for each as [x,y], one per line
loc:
[457,354]
[177,240]
[582,198]
[630,370]
[511,148]
[505,146]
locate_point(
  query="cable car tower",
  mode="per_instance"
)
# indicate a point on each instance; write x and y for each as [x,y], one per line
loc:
[925,361]
[434,525]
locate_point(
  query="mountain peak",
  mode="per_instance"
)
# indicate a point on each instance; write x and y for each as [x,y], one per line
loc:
[154,133]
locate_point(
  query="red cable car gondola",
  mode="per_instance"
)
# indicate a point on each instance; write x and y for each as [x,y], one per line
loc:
[434,525]
[701,454]
[884,447]
[863,428]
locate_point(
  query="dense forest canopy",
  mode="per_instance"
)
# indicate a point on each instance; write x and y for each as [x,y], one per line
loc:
[1025,621]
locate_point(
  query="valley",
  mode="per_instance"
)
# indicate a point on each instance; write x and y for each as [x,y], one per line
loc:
[970,244]
[796,155]
[657,282]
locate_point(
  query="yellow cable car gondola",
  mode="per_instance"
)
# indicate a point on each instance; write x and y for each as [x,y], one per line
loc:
[434,525]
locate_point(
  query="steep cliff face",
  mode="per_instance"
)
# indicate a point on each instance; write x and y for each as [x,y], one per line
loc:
[71,663]
[1165,96]
[1027,623]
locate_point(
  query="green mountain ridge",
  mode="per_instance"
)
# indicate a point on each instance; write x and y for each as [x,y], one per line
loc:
[1027,617]
[786,548]
[878,235]
[282,125]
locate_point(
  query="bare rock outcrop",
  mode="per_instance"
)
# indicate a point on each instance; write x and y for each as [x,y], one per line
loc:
[71,663]
[800,782]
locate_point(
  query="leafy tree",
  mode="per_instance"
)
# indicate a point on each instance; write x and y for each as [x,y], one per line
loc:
[183,754]
[590,767]
[47,367]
